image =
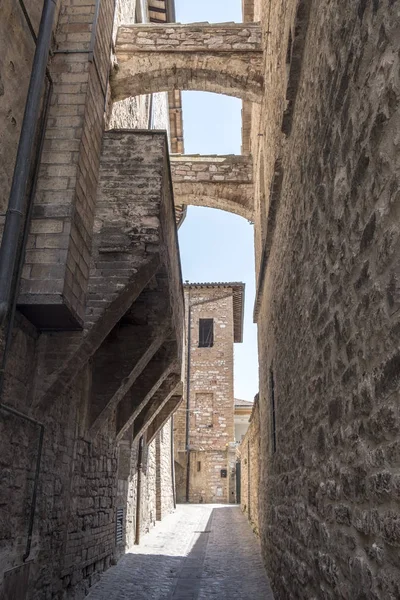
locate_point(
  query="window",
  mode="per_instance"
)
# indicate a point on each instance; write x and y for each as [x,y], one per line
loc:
[119,529]
[206,333]
[273,412]
[198,466]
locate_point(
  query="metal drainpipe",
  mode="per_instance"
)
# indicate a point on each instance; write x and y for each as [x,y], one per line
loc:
[14,216]
[171,18]
[139,490]
[188,401]
[173,462]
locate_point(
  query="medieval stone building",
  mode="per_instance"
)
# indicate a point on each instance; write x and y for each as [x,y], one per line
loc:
[204,424]
[91,298]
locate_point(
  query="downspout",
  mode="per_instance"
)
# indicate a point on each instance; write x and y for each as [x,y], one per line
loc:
[14,216]
[173,462]
[171,17]
[139,490]
[188,401]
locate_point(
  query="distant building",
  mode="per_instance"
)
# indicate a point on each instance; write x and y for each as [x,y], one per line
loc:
[205,423]
[242,416]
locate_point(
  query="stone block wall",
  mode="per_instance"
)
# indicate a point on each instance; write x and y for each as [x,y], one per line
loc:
[57,263]
[227,37]
[206,483]
[175,57]
[249,457]
[83,480]
[164,488]
[329,318]
[84,477]
[211,168]
[211,403]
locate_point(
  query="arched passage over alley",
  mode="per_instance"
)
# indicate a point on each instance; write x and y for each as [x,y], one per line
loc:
[223,182]
[223,58]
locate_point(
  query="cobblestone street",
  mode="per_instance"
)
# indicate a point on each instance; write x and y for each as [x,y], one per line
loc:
[201,552]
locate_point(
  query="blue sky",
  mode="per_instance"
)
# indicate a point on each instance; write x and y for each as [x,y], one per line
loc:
[216,245]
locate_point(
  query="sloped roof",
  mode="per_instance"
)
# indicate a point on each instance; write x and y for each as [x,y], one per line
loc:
[243,403]
[238,290]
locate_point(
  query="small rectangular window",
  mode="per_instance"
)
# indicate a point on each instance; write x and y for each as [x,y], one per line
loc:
[273,412]
[198,466]
[206,333]
[119,529]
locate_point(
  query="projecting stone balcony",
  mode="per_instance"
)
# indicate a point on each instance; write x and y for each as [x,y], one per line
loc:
[225,58]
[224,182]
[134,314]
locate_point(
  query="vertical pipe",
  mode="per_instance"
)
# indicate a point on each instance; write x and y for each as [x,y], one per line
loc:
[139,491]
[14,216]
[173,462]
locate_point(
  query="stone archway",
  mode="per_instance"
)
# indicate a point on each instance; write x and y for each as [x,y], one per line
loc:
[221,58]
[223,182]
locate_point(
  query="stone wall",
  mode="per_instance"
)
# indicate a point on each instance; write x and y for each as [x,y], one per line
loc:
[75,521]
[223,182]
[249,456]
[85,476]
[164,58]
[228,37]
[214,169]
[211,410]
[329,301]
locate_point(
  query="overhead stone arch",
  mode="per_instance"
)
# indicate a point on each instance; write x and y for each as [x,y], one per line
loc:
[223,58]
[223,182]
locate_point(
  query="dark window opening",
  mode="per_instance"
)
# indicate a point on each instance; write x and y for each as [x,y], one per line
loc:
[224,473]
[273,412]
[198,466]
[206,333]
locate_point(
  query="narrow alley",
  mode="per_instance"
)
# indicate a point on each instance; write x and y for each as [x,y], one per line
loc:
[200,552]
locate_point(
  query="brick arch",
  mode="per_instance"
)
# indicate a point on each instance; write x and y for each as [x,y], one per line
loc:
[225,59]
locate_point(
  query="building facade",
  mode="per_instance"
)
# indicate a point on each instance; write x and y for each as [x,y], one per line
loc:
[242,416]
[92,309]
[204,424]
[91,339]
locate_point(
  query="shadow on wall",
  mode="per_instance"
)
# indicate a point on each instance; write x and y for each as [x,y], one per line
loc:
[217,566]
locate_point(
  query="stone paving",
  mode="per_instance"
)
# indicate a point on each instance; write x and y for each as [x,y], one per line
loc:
[200,552]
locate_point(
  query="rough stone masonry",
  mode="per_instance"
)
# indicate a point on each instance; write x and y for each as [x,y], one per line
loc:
[92,357]
[204,424]
[322,130]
